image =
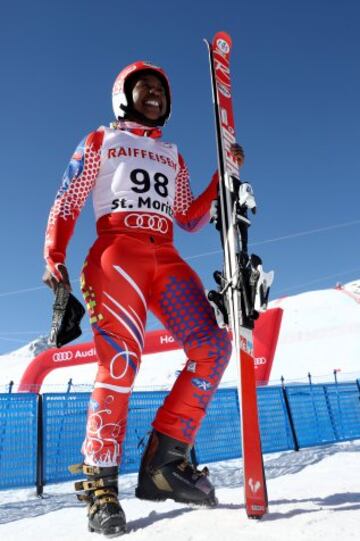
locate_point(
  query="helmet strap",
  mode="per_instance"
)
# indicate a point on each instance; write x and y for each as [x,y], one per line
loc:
[135,116]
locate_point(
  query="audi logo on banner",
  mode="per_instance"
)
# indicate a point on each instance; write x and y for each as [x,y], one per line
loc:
[259,361]
[155,223]
[61,356]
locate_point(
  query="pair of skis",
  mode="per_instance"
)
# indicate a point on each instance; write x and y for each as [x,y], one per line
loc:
[243,287]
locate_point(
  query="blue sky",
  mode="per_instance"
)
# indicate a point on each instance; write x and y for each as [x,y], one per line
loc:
[296,88]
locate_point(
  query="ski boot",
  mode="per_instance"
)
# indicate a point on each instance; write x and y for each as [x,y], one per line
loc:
[165,472]
[100,491]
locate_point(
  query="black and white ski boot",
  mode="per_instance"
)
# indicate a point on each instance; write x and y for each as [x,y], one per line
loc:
[100,491]
[166,472]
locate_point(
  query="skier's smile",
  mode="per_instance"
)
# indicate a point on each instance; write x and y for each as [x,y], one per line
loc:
[149,97]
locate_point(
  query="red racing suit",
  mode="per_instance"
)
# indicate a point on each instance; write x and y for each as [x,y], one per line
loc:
[140,185]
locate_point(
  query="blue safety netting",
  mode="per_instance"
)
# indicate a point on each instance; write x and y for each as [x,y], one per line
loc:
[219,435]
[64,420]
[275,427]
[18,440]
[311,414]
[142,409]
[344,409]
[320,414]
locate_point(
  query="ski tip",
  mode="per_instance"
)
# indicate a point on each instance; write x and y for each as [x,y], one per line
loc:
[207,43]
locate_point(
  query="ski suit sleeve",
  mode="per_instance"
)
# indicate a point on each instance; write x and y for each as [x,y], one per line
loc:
[192,213]
[78,181]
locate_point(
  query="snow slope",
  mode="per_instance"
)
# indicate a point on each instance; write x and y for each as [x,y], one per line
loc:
[314,494]
[319,333]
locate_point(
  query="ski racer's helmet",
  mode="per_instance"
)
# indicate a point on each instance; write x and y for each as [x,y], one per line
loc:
[122,92]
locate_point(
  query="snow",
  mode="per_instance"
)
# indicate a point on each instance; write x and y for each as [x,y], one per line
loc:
[313,493]
[319,334]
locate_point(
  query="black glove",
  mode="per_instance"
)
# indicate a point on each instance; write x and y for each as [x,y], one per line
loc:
[67,315]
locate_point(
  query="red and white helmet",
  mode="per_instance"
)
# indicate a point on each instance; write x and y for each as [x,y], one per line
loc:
[121,92]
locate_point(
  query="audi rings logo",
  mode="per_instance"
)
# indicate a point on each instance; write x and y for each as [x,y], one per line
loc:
[61,356]
[260,360]
[155,223]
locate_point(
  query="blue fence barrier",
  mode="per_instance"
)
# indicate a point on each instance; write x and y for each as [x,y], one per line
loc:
[275,426]
[290,417]
[344,405]
[64,419]
[18,440]
[311,415]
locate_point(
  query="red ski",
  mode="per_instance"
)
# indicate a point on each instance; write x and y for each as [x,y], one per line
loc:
[243,287]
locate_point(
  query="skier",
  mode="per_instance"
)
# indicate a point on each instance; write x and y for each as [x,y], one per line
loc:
[140,185]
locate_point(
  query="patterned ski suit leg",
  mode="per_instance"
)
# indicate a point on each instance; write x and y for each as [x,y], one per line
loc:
[115,280]
[178,300]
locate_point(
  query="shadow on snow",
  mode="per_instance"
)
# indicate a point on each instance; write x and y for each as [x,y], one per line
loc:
[224,475]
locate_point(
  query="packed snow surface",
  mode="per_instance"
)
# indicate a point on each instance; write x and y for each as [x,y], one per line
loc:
[313,493]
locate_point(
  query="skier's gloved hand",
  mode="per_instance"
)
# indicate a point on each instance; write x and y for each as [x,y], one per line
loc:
[238,153]
[66,317]
[67,310]
[54,274]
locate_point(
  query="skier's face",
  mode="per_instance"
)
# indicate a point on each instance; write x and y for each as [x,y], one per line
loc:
[149,97]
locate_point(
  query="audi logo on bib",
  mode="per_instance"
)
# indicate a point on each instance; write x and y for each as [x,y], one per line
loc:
[155,223]
[61,356]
